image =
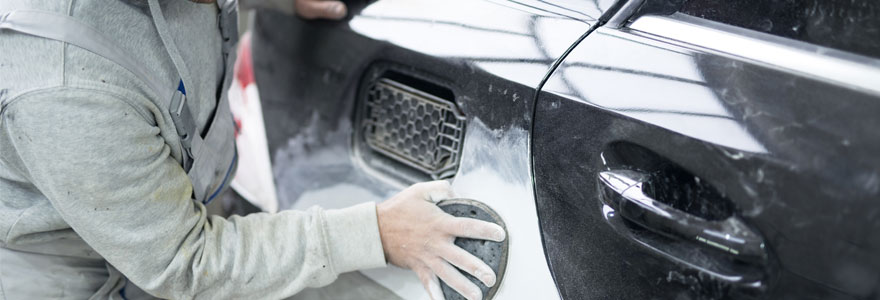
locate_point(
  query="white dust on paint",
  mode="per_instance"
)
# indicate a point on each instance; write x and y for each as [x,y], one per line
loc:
[315,163]
[495,170]
[316,169]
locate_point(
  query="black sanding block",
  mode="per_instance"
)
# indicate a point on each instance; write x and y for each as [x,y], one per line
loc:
[493,253]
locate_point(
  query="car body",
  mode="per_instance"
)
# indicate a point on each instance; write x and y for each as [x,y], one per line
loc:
[754,148]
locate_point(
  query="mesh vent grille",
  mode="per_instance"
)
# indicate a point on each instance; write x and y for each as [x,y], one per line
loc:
[412,127]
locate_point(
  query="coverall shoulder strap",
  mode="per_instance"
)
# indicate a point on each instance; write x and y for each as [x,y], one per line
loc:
[64,28]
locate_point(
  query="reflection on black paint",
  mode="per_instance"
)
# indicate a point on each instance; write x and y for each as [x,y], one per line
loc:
[849,25]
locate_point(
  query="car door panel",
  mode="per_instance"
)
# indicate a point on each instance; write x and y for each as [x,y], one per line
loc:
[791,152]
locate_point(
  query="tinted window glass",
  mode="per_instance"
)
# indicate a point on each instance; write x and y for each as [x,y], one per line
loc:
[849,25]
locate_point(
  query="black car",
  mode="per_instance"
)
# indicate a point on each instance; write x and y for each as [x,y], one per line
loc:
[636,149]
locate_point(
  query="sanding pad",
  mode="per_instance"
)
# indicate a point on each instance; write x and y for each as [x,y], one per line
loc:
[493,253]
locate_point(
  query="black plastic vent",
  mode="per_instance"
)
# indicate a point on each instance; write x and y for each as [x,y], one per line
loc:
[412,126]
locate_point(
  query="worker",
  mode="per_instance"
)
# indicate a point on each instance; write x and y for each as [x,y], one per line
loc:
[114,134]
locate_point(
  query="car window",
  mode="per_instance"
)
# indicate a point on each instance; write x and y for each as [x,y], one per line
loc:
[849,25]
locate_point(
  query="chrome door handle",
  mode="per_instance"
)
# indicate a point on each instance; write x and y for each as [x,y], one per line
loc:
[623,191]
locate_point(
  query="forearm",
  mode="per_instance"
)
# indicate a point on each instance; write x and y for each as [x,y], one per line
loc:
[269,256]
[306,9]
[109,174]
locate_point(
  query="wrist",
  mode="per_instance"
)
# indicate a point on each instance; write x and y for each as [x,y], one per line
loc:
[353,238]
[381,213]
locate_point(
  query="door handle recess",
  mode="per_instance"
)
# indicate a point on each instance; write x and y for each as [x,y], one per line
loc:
[622,190]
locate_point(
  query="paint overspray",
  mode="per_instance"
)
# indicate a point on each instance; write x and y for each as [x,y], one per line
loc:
[316,168]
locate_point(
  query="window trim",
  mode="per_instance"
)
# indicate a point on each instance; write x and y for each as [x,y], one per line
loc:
[844,68]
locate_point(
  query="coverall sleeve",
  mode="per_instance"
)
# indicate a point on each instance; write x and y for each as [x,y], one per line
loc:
[107,170]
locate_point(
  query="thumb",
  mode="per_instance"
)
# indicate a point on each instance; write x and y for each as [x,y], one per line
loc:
[318,9]
[436,191]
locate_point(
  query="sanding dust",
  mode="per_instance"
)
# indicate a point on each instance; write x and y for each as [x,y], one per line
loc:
[316,169]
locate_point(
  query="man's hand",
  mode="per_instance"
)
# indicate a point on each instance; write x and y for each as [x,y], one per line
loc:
[418,235]
[320,9]
[307,9]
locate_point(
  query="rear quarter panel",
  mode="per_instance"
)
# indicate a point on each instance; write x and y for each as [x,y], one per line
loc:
[491,54]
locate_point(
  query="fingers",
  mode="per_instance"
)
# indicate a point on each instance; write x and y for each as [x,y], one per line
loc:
[430,282]
[468,262]
[455,280]
[475,229]
[315,9]
[435,191]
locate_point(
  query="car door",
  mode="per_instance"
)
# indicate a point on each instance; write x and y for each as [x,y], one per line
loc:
[348,106]
[719,150]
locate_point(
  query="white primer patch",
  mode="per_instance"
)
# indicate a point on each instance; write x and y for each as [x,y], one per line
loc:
[495,170]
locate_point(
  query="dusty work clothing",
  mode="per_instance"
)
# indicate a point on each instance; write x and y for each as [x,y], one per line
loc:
[91,183]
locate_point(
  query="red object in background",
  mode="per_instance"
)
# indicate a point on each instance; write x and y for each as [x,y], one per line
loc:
[244,72]
[244,65]
[253,179]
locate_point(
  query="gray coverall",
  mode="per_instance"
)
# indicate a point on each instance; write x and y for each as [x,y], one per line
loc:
[97,184]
